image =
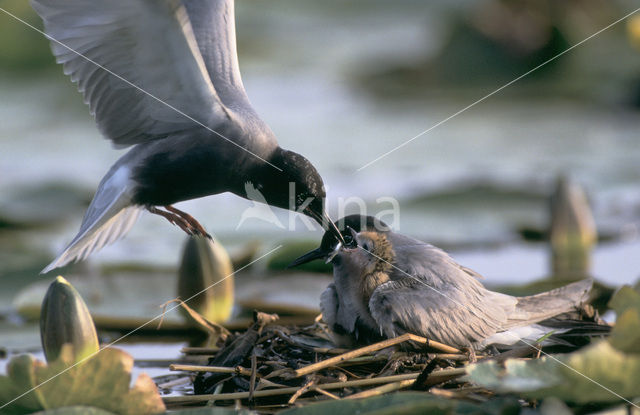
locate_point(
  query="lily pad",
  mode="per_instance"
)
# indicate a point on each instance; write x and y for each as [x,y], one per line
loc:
[127,300]
[24,209]
[101,381]
[625,336]
[75,410]
[407,403]
[597,373]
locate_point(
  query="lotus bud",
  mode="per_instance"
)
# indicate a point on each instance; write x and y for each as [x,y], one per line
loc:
[65,319]
[572,232]
[206,274]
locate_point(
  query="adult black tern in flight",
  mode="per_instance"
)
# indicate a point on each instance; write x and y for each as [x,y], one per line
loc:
[387,284]
[162,77]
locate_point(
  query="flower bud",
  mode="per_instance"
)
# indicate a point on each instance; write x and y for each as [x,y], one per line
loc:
[206,274]
[65,319]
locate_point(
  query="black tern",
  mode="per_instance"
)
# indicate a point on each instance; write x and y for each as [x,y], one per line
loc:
[162,76]
[387,284]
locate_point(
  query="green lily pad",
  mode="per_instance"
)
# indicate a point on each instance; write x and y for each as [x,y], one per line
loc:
[211,411]
[407,403]
[127,300]
[625,336]
[626,297]
[597,373]
[101,381]
[90,410]
[75,410]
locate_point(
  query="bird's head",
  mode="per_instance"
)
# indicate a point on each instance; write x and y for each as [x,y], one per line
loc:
[331,249]
[294,185]
[370,252]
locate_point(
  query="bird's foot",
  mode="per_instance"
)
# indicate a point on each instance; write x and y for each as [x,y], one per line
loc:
[181,219]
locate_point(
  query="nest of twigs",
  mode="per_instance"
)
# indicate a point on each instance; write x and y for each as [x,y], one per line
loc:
[270,367]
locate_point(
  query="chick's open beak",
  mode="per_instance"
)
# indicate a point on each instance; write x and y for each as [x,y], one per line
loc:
[318,253]
[322,252]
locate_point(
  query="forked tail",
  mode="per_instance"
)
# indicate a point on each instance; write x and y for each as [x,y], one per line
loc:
[535,308]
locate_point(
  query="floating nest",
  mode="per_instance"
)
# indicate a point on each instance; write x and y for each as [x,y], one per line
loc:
[270,367]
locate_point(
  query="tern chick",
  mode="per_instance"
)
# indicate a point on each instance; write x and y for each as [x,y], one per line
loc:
[387,284]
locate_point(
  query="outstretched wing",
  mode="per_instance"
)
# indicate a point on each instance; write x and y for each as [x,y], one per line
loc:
[137,64]
[213,24]
[448,315]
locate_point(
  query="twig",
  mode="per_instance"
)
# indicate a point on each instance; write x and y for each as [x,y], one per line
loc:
[175,382]
[325,393]
[330,350]
[390,387]
[215,369]
[453,356]
[373,348]
[363,360]
[263,384]
[442,374]
[302,390]
[200,350]
[252,378]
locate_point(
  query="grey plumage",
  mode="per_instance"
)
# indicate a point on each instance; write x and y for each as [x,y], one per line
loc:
[426,292]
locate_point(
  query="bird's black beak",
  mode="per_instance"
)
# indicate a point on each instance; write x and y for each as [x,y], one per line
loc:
[327,224]
[334,229]
[318,253]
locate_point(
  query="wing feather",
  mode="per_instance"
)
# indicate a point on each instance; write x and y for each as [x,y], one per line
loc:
[410,306]
[130,46]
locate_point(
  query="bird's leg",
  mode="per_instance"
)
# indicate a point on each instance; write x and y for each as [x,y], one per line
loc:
[180,221]
[174,219]
[190,220]
[471,352]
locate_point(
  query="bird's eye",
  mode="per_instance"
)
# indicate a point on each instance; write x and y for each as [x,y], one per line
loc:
[348,239]
[365,246]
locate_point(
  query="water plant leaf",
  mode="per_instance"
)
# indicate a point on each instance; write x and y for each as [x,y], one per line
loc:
[625,335]
[75,410]
[20,378]
[406,403]
[127,300]
[597,373]
[101,381]
[626,297]
[212,411]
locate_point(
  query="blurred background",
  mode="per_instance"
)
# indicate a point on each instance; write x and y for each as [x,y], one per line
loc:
[344,82]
